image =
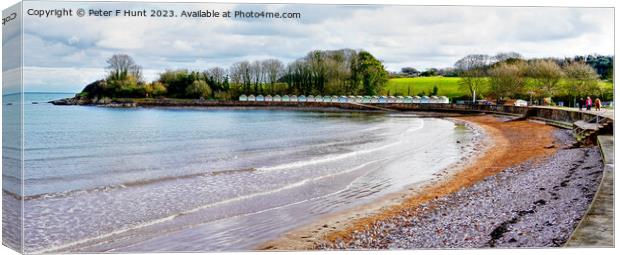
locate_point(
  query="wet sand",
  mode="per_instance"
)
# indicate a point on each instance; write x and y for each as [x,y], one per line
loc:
[506,144]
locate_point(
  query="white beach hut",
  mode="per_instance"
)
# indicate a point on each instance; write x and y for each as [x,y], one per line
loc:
[400,99]
[318,98]
[277,98]
[417,100]
[342,99]
[351,99]
[382,99]
[433,99]
[293,98]
[444,100]
[335,99]
[374,99]
[391,99]
[425,100]
[359,99]
[243,98]
[251,98]
[301,98]
[327,99]
[408,100]
[310,98]
[268,98]
[286,98]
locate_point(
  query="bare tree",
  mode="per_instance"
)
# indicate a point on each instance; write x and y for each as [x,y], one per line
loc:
[240,74]
[472,70]
[120,66]
[581,79]
[217,74]
[507,80]
[274,70]
[506,56]
[546,76]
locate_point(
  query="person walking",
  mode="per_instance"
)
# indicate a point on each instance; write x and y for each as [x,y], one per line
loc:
[588,104]
[581,103]
[597,104]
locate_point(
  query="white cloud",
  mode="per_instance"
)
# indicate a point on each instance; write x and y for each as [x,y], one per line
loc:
[418,36]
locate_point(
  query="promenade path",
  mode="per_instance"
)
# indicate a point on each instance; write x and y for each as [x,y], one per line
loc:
[607,113]
[597,227]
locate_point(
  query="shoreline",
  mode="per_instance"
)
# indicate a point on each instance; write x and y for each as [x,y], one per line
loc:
[499,139]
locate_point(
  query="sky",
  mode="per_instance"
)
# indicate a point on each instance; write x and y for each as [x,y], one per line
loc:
[64,54]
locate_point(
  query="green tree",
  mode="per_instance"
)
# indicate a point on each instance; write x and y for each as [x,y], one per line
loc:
[373,74]
[198,89]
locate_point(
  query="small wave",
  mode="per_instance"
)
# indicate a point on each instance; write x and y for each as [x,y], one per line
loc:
[108,188]
[173,216]
[314,161]
[320,160]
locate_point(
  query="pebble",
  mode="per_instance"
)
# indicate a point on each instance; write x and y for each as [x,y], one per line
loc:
[529,205]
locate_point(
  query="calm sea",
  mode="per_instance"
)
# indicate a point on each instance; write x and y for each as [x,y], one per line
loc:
[165,179]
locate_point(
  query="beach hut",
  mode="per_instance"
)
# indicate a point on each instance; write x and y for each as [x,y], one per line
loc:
[366,99]
[425,100]
[359,99]
[391,99]
[277,98]
[286,98]
[374,99]
[342,99]
[268,98]
[351,99]
[301,98]
[251,98]
[433,99]
[327,99]
[408,100]
[335,99]
[400,99]
[293,98]
[417,100]
[443,100]
[310,98]
[318,98]
[260,98]
[243,98]
[382,99]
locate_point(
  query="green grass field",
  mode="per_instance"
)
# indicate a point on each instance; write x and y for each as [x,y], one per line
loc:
[448,86]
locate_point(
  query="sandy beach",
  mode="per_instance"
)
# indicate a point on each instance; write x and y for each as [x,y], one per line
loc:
[510,148]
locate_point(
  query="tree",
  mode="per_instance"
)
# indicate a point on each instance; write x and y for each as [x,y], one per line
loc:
[198,89]
[373,74]
[546,76]
[581,79]
[506,57]
[240,74]
[121,66]
[506,80]
[410,71]
[472,70]
[274,69]
[155,89]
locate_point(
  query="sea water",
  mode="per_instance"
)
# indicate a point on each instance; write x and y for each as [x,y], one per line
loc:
[196,179]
